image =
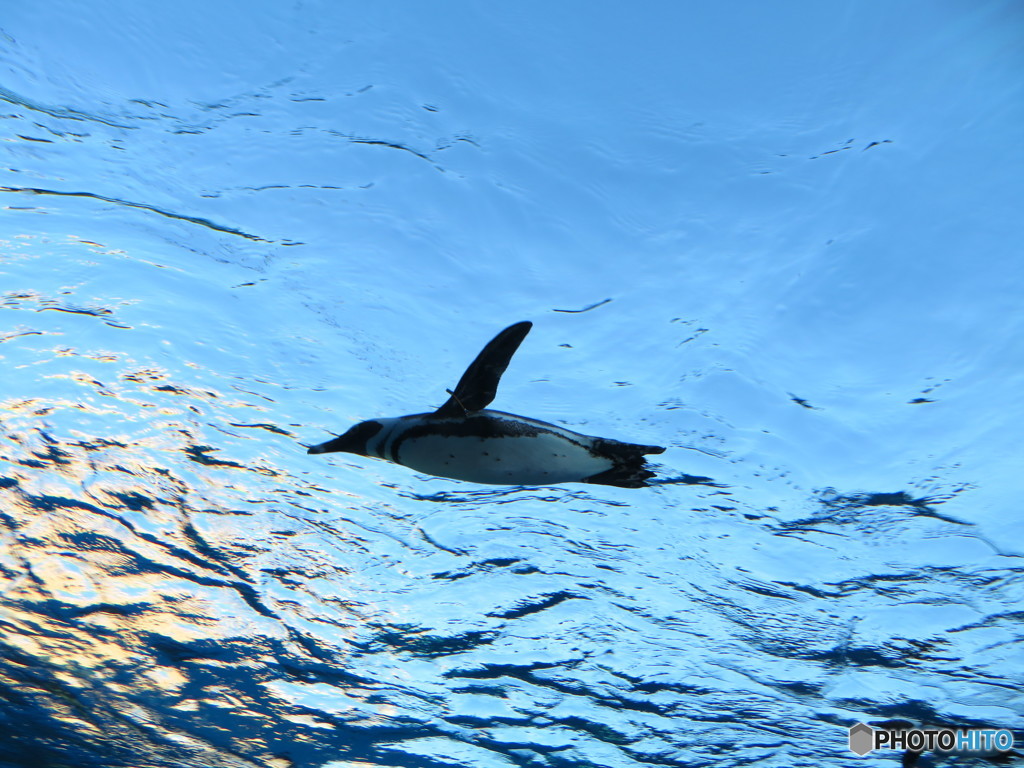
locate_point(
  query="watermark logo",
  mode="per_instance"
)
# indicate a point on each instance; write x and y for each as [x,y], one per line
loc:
[864,739]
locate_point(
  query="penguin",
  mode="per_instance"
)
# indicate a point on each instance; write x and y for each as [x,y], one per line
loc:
[464,440]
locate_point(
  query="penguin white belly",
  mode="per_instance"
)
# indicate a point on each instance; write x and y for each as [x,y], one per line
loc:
[539,459]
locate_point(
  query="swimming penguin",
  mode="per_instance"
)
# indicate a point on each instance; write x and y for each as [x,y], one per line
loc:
[463,441]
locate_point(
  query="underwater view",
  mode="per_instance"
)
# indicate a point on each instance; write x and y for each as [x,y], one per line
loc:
[773,249]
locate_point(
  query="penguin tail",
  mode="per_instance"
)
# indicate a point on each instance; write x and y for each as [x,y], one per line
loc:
[629,470]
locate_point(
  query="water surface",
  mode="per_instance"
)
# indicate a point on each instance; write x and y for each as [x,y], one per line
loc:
[781,242]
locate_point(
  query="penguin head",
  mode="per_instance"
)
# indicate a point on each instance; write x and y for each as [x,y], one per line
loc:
[353,441]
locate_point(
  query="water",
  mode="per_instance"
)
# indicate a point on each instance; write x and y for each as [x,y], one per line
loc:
[232,230]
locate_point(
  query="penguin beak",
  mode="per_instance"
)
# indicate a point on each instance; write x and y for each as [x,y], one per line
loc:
[353,441]
[327,447]
[346,444]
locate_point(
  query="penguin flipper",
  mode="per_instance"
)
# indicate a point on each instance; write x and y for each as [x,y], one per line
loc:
[479,384]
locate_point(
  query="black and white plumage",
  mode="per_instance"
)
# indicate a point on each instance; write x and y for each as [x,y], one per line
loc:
[462,440]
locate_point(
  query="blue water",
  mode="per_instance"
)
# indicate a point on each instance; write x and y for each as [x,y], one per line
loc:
[232,229]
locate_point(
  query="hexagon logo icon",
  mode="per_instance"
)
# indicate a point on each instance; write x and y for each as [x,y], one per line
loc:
[862,738]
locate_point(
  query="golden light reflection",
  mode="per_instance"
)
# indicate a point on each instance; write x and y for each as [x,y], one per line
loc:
[148,551]
[168,678]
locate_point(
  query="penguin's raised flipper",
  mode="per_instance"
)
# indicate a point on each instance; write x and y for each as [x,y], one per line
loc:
[479,384]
